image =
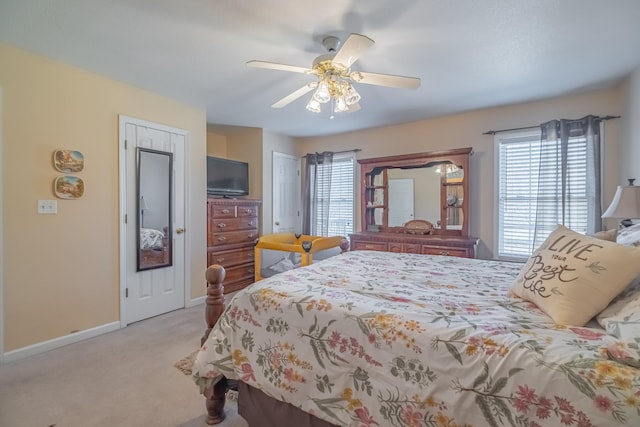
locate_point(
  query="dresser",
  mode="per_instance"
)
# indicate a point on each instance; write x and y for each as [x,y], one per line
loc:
[415,244]
[232,229]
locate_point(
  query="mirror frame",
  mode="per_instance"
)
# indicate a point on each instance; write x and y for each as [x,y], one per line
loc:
[370,168]
[163,257]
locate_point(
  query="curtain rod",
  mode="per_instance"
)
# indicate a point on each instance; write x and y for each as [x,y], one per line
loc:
[493,132]
[355,150]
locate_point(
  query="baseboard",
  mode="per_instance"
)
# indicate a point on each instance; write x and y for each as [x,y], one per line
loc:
[32,350]
[196,301]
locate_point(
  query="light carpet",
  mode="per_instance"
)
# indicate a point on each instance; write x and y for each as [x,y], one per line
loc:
[124,378]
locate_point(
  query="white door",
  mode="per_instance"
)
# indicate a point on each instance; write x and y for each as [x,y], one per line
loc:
[286,193]
[400,201]
[151,292]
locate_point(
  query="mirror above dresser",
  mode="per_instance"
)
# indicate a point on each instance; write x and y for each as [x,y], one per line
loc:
[416,203]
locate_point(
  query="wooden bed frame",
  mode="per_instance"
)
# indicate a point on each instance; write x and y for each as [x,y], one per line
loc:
[214,307]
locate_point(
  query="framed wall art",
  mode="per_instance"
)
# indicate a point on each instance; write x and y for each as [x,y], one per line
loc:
[68,161]
[68,187]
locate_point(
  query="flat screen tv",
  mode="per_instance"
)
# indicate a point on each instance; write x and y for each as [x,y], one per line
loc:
[229,178]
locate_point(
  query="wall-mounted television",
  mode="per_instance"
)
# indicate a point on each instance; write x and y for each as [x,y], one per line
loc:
[227,177]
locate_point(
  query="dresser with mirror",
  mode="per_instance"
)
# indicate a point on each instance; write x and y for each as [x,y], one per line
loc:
[416,203]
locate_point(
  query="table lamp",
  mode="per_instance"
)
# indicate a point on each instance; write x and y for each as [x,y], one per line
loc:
[625,204]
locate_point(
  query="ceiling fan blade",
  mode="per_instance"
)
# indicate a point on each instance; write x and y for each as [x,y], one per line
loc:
[295,95]
[353,47]
[388,80]
[276,66]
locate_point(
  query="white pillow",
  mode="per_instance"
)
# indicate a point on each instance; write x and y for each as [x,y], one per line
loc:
[622,317]
[629,236]
[572,277]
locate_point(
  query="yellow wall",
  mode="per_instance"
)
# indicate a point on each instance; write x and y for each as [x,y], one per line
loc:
[466,130]
[61,272]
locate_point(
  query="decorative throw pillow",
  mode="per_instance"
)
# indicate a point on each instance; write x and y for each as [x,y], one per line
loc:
[629,236]
[622,317]
[609,235]
[572,277]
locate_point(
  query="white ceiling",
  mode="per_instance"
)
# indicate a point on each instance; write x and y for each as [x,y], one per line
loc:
[469,54]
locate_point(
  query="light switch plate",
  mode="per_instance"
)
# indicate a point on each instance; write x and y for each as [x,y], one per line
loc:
[48,207]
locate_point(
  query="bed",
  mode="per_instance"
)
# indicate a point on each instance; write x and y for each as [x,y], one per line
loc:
[384,339]
[153,247]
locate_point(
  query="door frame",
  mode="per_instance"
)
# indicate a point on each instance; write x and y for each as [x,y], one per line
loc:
[122,212]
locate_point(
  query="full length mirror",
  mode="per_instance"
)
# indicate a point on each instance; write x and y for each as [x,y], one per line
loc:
[154,195]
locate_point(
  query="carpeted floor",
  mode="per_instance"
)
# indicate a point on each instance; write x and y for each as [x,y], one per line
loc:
[126,378]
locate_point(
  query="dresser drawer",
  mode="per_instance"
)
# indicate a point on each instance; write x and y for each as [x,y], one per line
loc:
[405,248]
[233,224]
[435,250]
[239,273]
[233,257]
[223,211]
[231,237]
[369,246]
[244,211]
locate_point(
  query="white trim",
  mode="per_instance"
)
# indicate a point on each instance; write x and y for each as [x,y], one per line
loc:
[122,180]
[2,310]
[41,347]
[196,301]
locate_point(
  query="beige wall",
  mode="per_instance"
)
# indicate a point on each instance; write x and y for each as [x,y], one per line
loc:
[61,272]
[629,153]
[466,130]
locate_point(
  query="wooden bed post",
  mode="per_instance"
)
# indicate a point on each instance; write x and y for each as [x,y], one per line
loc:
[214,306]
[344,245]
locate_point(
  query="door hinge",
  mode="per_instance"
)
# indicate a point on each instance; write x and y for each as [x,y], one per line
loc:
[126,292]
[125,218]
[125,144]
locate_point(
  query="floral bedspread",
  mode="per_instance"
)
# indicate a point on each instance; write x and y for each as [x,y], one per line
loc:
[382,339]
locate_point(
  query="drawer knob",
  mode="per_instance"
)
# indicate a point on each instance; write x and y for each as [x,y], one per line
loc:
[444,253]
[251,236]
[225,211]
[222,225]
[247,210]
[221,239]
[221,259]
[250,270]
[252,223]
[369,246]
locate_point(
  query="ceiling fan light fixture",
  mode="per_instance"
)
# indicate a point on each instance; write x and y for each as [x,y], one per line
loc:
[313,105]
[351,96]
[322,94]
[340,105]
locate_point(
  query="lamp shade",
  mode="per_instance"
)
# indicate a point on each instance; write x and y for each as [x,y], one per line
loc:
[625,204]
[143,204]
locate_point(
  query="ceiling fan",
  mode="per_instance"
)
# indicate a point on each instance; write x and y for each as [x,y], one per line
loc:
[335,77]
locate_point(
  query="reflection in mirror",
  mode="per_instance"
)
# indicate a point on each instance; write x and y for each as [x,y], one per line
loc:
[154,173]
[416,193]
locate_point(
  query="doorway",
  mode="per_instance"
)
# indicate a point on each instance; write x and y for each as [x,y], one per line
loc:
[148,292]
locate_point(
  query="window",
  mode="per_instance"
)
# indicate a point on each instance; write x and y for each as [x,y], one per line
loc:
[335,197]
[531,200]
